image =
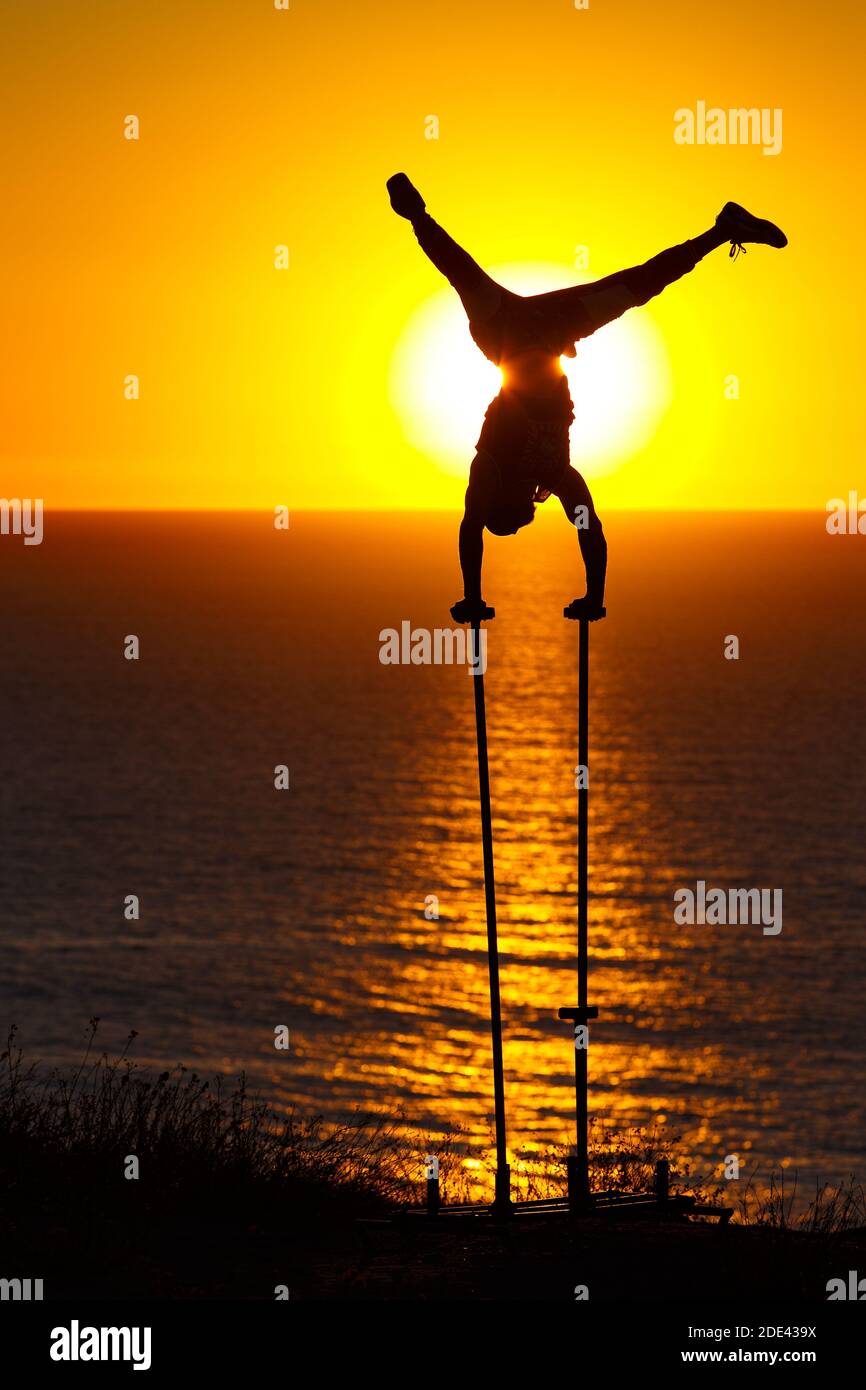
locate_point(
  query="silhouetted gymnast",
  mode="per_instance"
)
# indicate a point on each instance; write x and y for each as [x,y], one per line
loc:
[522,451]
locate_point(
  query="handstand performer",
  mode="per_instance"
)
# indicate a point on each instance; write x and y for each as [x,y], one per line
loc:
[522,452]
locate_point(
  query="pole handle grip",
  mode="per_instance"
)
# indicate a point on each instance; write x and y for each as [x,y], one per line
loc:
[580,610]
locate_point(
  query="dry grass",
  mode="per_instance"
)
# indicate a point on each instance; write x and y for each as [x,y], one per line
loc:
[193,1139]
[777,1203]
[198,1142]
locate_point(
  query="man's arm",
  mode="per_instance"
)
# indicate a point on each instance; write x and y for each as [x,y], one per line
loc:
[578,506]
[471,547]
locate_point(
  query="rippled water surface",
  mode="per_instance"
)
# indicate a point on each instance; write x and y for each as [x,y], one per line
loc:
[306,907]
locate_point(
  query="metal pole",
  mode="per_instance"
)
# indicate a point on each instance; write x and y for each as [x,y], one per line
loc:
[581,1079]
[577,1164]
[502,1203]
[663,1182]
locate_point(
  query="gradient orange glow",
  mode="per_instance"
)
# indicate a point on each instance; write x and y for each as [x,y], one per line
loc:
[261,127]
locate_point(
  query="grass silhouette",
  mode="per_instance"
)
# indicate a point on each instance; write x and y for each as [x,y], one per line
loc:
[234,1198]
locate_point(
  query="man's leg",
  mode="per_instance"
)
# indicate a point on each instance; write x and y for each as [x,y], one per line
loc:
[608,298]
[480,294]
[577,312]
[578,506]
[584,308]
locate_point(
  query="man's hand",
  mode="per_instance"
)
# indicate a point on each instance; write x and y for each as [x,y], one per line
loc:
[472,610]
[585,608]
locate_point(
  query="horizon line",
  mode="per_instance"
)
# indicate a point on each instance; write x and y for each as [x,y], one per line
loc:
[397,511]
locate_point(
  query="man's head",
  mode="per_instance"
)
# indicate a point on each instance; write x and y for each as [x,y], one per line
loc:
[506,514]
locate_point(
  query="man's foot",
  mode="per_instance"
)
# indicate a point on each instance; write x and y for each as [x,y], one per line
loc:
[405,198]
[740,226]
[584,608]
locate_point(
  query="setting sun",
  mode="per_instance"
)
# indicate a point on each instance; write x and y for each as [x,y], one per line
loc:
[441,384]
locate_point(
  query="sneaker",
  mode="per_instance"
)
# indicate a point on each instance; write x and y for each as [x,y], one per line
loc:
[742,227]
[405,198]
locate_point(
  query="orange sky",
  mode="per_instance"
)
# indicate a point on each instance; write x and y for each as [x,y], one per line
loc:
[260,127]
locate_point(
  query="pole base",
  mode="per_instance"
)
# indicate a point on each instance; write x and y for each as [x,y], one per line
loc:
[502,1205]
[579,1195]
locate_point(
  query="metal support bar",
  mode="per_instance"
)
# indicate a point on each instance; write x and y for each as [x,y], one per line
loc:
[579,1197]
[502,1201]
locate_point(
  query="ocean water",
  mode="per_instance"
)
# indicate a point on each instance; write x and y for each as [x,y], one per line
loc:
[306,907]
